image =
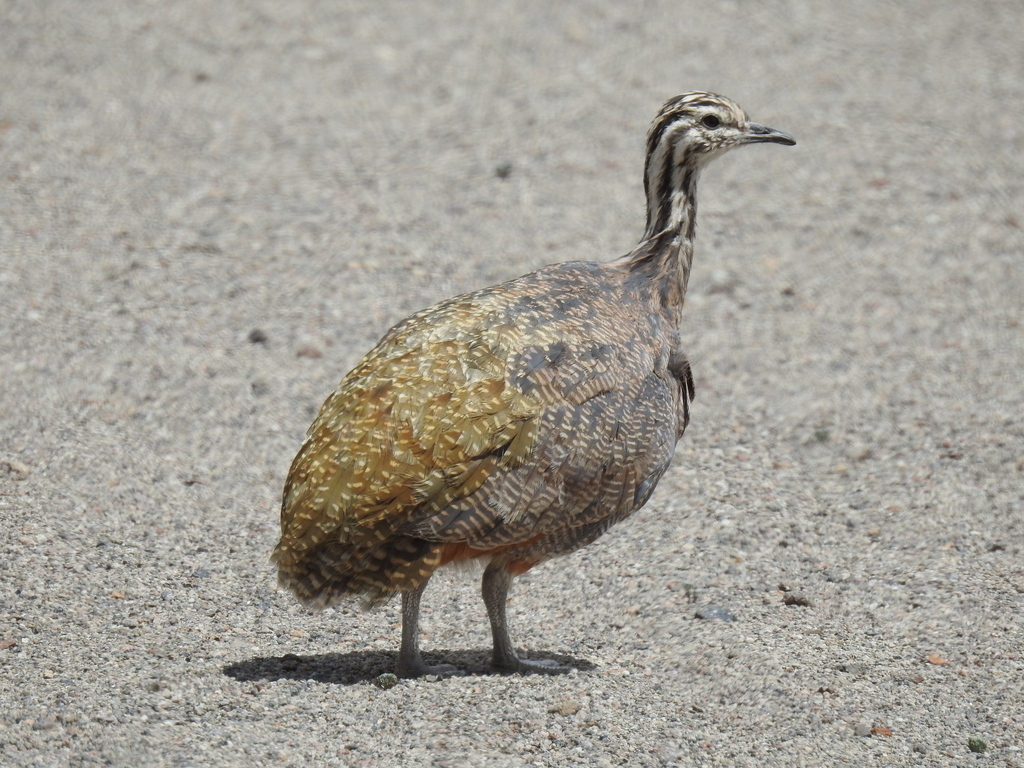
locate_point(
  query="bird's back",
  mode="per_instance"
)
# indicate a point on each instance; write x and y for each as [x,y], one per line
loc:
[518,421]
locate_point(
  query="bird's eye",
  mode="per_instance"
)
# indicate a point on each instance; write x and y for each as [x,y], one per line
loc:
[710,121]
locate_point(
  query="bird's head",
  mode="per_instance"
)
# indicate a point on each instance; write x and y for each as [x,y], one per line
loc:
[696,127]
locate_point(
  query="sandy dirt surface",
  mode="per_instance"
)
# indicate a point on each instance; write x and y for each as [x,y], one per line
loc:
[210,210]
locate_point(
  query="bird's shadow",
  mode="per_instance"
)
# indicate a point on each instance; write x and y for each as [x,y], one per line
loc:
[362,666]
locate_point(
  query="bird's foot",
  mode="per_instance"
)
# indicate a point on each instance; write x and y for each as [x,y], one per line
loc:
[531,667]
[416,668]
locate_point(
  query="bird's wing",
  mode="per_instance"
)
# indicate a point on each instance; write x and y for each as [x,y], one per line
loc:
[469,424]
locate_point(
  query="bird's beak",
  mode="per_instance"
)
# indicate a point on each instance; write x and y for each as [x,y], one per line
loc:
[757,133]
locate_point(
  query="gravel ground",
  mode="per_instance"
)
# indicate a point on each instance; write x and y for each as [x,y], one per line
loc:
[210,210]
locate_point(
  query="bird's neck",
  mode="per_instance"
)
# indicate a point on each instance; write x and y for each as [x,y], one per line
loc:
[660,264]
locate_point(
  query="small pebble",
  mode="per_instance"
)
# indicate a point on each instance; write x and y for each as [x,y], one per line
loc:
[18,469]
[714,613]
[566,707]
[797,598]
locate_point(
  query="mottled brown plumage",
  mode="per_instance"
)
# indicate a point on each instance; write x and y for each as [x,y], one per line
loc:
[512,424]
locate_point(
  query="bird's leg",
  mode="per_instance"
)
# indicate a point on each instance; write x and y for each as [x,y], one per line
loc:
[496,582]
[410,663]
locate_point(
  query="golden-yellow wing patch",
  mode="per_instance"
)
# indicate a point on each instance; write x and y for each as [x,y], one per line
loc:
[422,420]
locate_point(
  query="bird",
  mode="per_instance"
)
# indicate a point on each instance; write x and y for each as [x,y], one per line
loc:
[513,424]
